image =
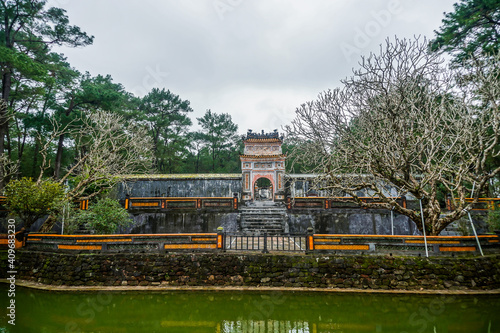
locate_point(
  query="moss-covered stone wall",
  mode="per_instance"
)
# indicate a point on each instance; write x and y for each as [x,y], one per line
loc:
[227,269]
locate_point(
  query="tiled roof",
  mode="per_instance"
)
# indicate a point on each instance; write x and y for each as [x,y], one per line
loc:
[263,156]
[262,140]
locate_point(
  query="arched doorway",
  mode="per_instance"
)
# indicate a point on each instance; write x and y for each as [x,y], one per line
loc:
[263,189]
[263,158]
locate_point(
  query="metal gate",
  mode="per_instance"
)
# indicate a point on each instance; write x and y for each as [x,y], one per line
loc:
[265,243]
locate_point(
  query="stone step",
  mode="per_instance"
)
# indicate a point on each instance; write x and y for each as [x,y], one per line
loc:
[263,231]
[254,212]
[262,221]
[262,217]
[260,225]
[262,212]
[262,208]
[273,227]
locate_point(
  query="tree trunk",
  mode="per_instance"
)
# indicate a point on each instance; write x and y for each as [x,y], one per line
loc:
[3,112]
[213,159]
[198,162]
[60,144]
[57,165]
[8,145]
[6,85]
[34,174]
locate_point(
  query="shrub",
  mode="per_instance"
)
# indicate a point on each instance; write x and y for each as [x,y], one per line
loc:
[493,220]
[106,216]
[30,200]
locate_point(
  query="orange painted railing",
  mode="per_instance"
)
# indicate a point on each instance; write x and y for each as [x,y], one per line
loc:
[125,242]
[482,204]
[3,203]
[181,202]
[314,243]
[401,243]
[335,202]
[4,241]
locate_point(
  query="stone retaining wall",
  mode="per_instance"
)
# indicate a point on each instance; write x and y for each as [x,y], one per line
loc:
[180,185]
[202,269]
[184,221]
[362,221]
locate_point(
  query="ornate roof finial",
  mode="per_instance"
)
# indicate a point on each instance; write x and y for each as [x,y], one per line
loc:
[262,135]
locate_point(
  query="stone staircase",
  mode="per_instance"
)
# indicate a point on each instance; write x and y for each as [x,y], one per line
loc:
[263,217]
[82,230]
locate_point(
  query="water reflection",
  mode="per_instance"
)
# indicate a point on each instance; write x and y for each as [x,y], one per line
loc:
[224,312]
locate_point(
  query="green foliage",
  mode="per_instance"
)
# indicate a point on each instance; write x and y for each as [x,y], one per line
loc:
[24,64]
[31,201]
[471,31]
[49,101]
[32,75]
[219,141]
[106,216]
[463,226]
[493,219]
[165,115]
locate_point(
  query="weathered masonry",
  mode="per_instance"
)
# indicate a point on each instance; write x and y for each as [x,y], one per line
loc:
[261,199]
[256,270]
[180,186]
[181,203]
[299,243]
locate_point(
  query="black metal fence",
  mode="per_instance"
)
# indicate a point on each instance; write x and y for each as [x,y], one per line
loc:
[265,243]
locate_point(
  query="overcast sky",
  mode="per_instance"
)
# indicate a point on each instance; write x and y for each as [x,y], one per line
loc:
[255,59]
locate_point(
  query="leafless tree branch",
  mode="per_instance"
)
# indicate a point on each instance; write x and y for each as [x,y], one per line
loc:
[406,120]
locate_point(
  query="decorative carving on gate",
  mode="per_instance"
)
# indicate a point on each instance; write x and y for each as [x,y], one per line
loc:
[263,158]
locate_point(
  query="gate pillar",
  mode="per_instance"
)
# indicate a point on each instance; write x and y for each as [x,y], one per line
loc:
[263,158]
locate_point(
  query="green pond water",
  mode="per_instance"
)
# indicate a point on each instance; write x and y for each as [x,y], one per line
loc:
[44,311]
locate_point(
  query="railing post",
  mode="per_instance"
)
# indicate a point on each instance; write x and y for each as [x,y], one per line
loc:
[310,240]
[265,244]
[392,221]
[423,228]
[221,239]
[127,201]
[235,201]
[475,234]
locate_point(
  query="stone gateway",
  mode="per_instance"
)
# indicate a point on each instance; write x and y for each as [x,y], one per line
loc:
[263,158]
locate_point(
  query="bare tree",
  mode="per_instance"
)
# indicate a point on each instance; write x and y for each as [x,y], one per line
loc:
[407,121]
[107,148]
[8,167]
